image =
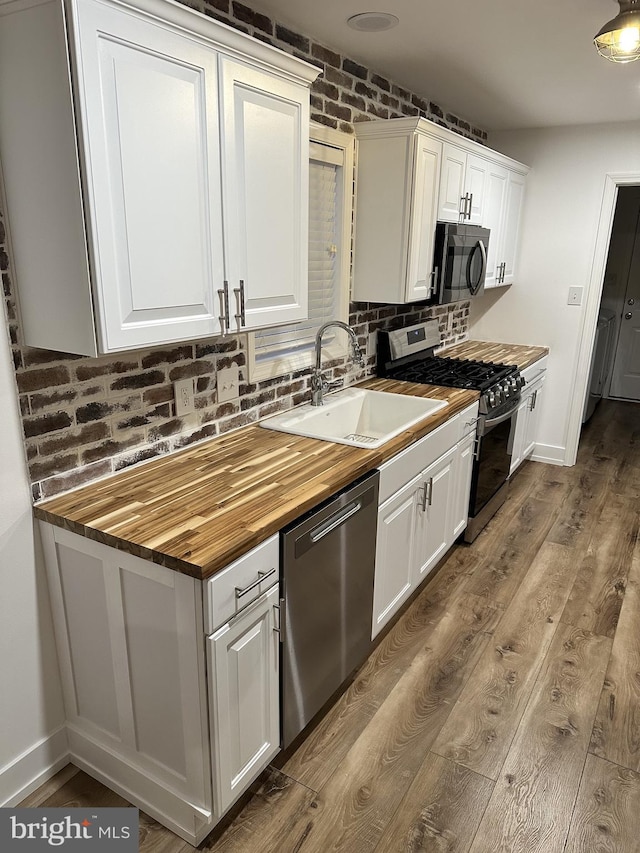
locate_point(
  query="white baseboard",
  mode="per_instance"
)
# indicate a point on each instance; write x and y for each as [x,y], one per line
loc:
[33,767]
[550,454]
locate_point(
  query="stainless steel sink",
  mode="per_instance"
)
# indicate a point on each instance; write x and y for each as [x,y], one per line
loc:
[356,416]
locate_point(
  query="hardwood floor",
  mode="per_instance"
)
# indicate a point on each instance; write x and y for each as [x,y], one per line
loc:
[500,713]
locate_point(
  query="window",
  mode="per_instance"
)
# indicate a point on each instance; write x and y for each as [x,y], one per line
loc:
[282,349]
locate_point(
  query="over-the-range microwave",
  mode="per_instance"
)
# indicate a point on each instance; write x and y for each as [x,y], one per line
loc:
[459,261]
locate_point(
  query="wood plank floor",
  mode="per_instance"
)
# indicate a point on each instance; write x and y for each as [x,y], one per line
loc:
[500,713]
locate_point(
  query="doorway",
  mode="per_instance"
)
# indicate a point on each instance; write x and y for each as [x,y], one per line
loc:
[616,361]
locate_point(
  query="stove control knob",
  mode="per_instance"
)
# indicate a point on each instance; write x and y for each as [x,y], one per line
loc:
[498,396]
[506,390]
[492,399]
[521,381]
[513,383]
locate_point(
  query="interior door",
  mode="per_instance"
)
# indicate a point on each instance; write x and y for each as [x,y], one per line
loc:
[625,381]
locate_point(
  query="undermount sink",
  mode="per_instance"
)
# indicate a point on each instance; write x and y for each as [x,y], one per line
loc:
[356,416]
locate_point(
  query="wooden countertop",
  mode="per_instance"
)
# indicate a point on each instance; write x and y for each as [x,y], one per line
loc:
[197,510]
[522,356]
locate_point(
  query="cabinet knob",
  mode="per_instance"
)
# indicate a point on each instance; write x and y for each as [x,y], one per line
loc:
[628,315]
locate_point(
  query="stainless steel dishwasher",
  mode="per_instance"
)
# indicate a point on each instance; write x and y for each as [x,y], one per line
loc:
[328,559]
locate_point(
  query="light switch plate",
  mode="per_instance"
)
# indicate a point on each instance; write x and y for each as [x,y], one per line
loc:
[575,296]
[228,383]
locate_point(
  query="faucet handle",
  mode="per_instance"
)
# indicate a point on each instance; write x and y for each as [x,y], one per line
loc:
[358,355]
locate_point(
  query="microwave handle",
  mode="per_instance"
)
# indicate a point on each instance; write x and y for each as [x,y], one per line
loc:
[475,287]
[433,287]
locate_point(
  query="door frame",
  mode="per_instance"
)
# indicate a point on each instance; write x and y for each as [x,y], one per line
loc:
[594,294]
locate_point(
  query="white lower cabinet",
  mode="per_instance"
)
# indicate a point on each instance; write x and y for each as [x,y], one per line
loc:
[244,694]
[435,530]
[134,663]
[395,552]
[526,430]
[462,488]
[132,660]
[424,506]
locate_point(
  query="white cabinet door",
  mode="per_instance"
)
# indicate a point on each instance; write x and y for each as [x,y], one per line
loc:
[531,429]
[511,227]
[452,183]
[265,154]
[462,186]
[244,681]
[434,526]
[475,186]
[462,484]
[494,211]
[395,553]
[150,131]
[424,213]
[517,437]
[525,434]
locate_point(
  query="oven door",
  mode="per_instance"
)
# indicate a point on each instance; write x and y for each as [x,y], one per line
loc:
[493,457]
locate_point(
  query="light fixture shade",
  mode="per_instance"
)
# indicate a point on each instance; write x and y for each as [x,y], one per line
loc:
[619,39]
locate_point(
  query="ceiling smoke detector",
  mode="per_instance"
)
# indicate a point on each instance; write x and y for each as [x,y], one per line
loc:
[372,22]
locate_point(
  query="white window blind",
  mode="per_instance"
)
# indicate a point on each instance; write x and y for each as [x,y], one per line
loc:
[325,228]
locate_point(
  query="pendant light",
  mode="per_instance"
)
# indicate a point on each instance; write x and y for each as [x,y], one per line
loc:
[619,40]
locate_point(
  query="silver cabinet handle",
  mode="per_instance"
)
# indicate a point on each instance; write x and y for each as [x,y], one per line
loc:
[240,316]
[532,404]
[262,576]
[427,494]
[224,308]
[279,629]
[470,205]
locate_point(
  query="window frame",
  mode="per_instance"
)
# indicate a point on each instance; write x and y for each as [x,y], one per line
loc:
[334,348]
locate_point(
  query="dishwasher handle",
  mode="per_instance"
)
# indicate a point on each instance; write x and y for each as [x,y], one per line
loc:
[334,521]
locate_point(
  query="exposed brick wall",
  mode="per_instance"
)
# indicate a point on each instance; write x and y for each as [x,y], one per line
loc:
[84,418]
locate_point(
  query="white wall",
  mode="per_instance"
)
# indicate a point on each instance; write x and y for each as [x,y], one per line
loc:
[32,741]
[560,225]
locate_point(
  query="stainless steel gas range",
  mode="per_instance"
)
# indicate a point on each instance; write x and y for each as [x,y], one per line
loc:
[407,354]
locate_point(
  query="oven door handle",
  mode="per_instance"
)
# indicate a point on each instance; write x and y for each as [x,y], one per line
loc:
[489,422]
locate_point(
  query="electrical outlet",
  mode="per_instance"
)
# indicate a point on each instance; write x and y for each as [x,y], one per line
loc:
[575,296]
[228,383]
[183,396]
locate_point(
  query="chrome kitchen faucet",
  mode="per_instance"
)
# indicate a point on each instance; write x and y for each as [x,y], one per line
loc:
[318,383]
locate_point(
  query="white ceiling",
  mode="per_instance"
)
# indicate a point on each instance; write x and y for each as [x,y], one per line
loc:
[501,64]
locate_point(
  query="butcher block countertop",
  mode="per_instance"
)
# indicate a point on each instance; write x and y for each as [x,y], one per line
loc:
[197,510]
[522,356]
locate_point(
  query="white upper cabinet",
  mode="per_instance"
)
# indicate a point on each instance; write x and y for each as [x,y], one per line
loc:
[184,150]
[265,133]
[148,106]
[413,173]
[462,186]
[397,202]
[495,201]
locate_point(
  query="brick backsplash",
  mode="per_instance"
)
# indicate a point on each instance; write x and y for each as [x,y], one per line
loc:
[84,418]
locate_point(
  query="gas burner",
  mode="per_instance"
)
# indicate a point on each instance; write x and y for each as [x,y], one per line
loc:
[407,354]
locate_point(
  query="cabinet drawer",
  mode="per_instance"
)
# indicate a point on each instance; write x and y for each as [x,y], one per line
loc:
[223,596]
[467,421]
[403,467]
[534,370]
